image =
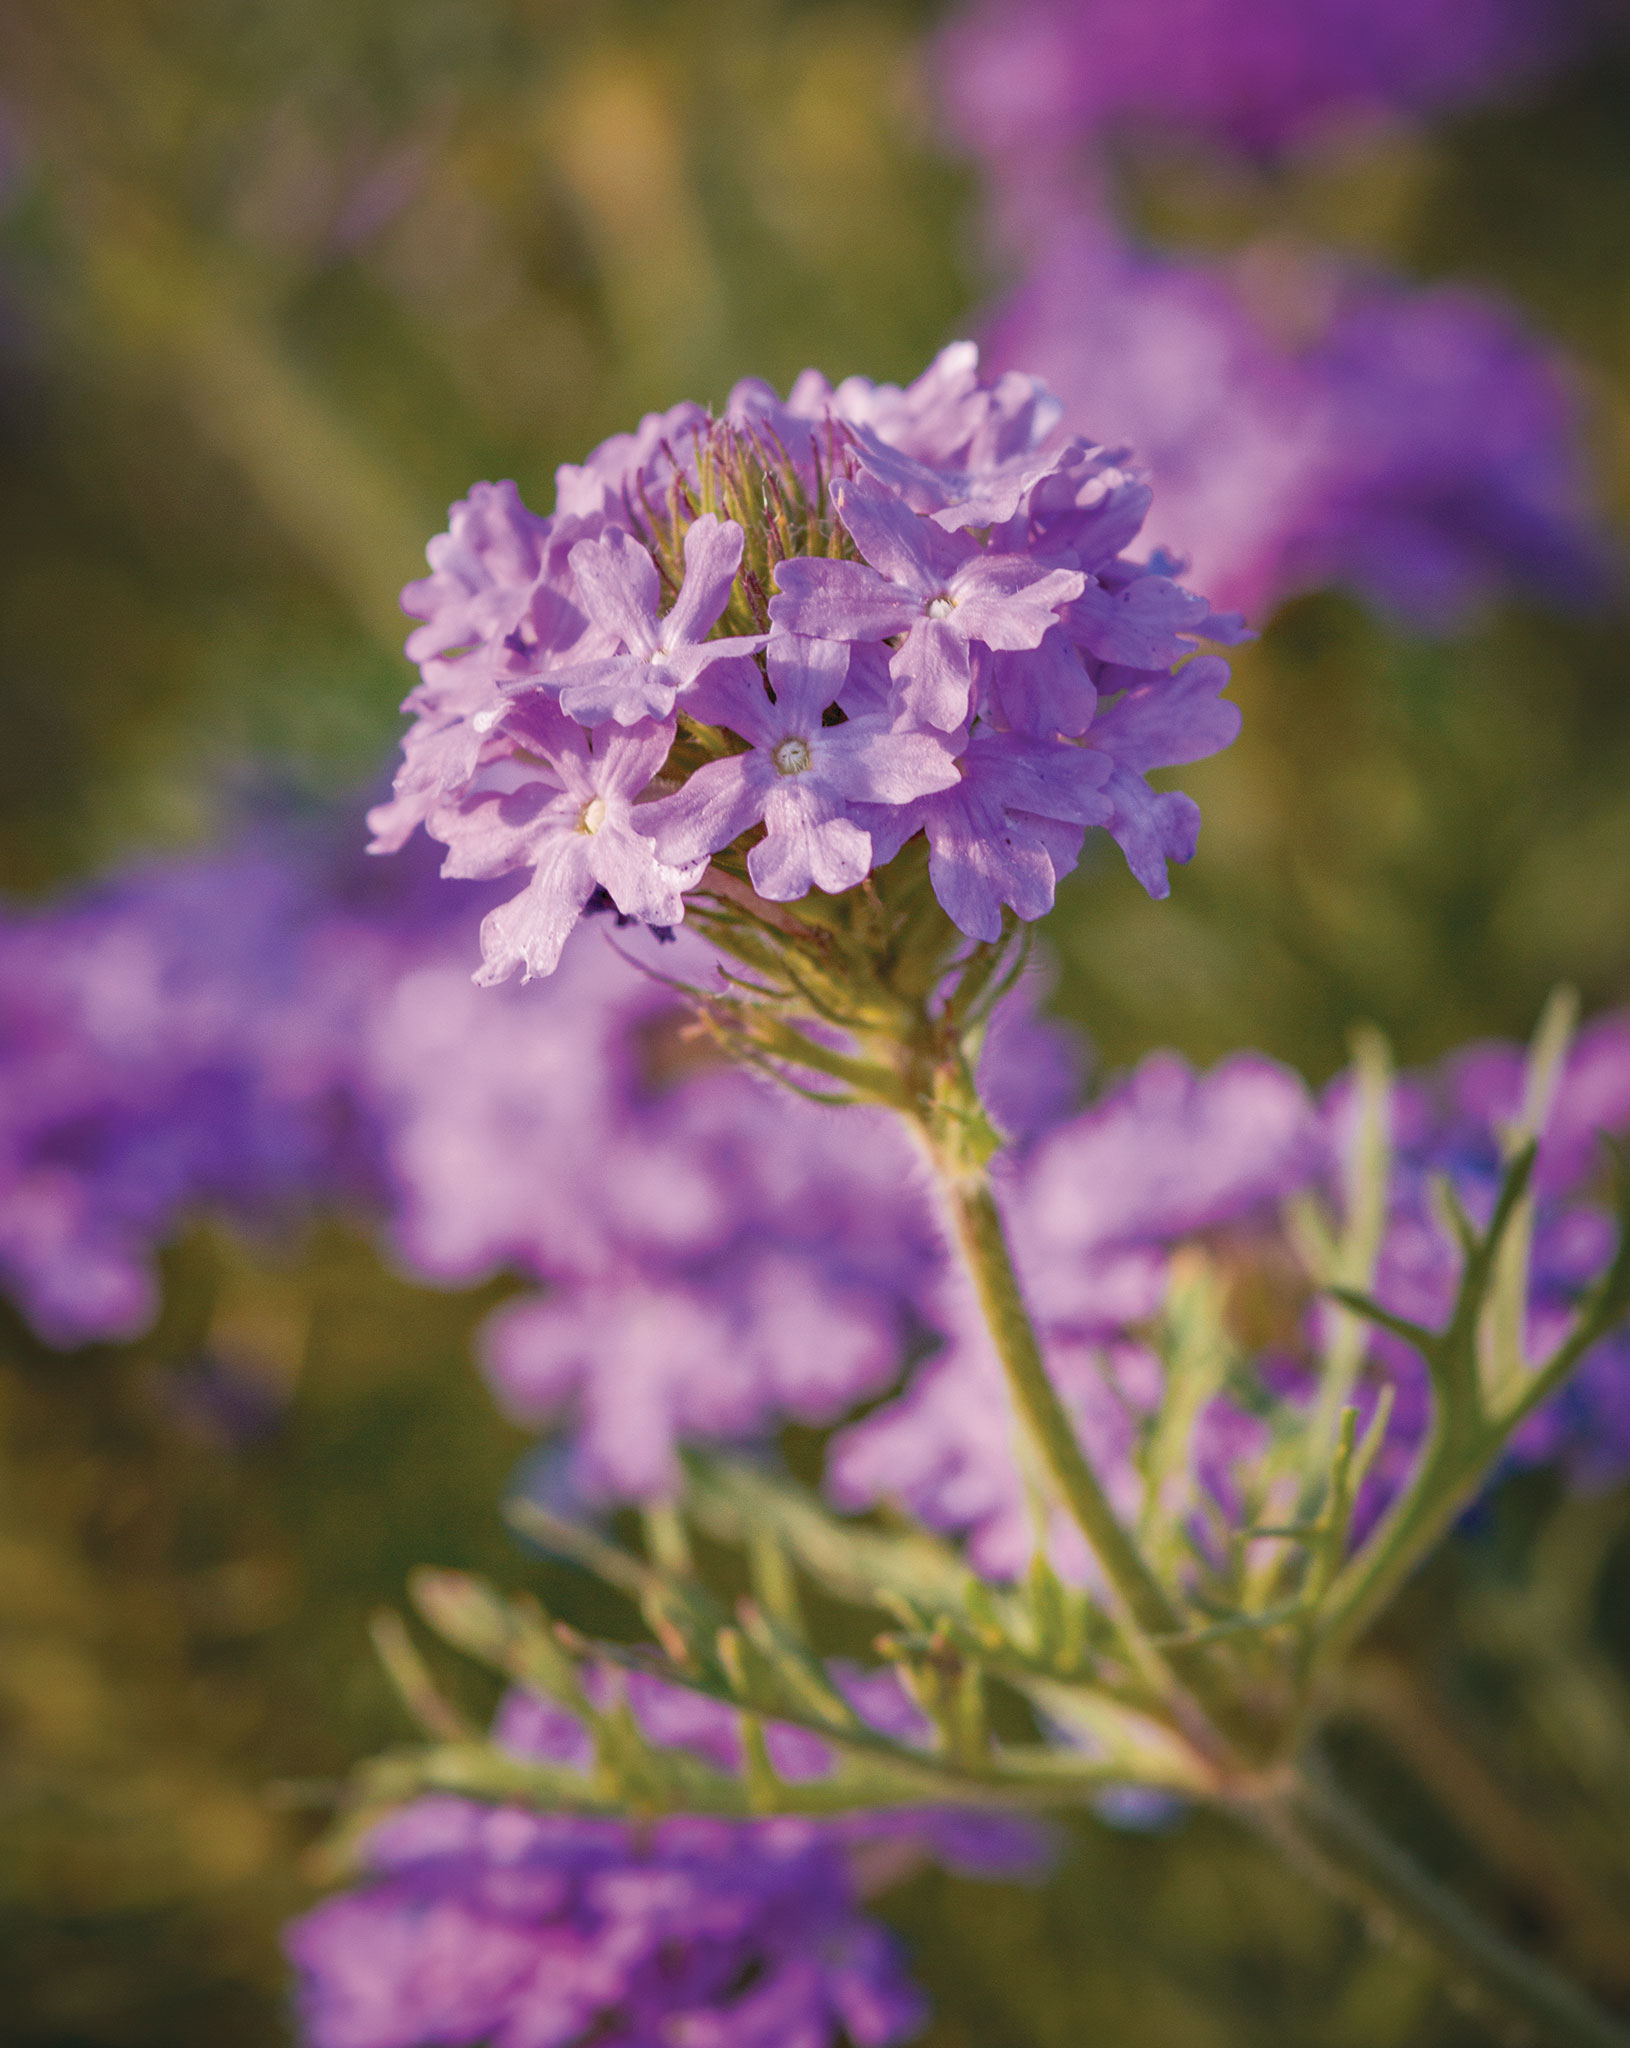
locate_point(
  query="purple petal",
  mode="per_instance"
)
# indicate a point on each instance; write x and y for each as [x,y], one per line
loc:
[1140,625]
[1171,719]
[899,545]
[808,843]
[1151,828]
[712,557]
[1045,689]
[625,760]
[866,762]
[718,802]
[529,930]
[619,588]
[934,671]
[839,601]
[624,689]
[806,676]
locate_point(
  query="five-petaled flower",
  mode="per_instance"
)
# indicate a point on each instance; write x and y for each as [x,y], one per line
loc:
[943,591]
[564,808]
[651,661]
[801,776]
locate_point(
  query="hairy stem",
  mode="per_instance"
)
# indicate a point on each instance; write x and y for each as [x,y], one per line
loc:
[1327,1836]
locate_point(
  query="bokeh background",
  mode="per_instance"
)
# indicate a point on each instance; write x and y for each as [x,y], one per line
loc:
[276,283]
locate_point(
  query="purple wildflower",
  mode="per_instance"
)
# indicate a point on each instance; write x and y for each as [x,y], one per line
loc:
[1023,77]
[529,1930]
[1416,445]
[941,590]
[571,824]
[995,593]
[801,777]
[652,661]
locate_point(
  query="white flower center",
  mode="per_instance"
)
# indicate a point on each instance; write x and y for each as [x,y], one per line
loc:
[941,607]
[593,816]
[793,757]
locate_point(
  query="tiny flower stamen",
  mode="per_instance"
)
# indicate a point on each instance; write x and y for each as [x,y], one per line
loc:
[594,815]
[793,757]
[942,606]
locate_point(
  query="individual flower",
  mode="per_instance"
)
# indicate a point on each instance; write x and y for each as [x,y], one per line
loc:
[654,660]
[1006,831]
[571,822]
[942,591]
[801,778]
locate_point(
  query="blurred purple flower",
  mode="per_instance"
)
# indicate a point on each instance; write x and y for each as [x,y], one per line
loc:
[1021,77]
[495,1925]
[1418,446]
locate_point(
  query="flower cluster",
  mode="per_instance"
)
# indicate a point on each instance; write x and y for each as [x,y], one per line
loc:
[520,1929]
[1260,76]
[776,646]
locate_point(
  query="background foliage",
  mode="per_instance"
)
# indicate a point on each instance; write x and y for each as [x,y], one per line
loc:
[275,284]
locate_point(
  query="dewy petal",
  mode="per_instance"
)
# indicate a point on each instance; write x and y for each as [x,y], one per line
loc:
[865,762]
[934,671]
[839,601]
[529,930]
[719,801]
[620,590]
[898,544]
[808,842]
[713,549]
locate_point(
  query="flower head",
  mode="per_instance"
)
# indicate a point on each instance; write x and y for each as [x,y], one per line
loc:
[815,619]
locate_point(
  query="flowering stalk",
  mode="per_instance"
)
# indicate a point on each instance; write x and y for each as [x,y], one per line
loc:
[842,681]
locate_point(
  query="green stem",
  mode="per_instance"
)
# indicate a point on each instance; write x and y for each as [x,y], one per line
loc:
[1322,1832]
[984,1246]
[1154,1619]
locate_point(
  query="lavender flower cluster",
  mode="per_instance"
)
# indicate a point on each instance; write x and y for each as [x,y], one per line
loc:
[503,1925]
[519,1929]
[930,624]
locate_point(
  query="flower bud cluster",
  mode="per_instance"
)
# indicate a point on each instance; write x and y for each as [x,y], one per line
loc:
[770,649]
